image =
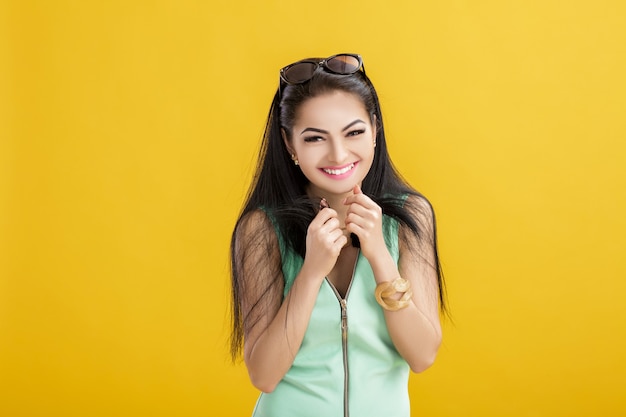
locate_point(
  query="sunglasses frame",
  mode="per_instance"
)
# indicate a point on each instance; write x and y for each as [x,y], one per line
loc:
[324,64]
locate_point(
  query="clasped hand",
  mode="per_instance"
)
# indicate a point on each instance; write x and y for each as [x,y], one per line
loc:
[325,237]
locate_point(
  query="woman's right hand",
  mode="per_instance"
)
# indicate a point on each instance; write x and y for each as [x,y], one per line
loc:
[324,240]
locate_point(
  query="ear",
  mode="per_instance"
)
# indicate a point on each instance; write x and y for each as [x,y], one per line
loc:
[286,141]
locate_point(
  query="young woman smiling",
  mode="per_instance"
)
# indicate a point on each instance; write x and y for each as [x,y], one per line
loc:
[337,289]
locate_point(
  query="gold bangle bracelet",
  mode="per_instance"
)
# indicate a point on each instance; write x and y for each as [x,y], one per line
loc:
[385,290]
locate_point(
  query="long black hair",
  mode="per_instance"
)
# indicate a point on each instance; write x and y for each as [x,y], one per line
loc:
[279,188]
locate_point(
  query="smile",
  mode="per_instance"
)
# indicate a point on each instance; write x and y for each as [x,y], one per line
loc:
[338,171]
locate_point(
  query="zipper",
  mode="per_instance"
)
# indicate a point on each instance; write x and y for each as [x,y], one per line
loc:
[344,347]
[343,303]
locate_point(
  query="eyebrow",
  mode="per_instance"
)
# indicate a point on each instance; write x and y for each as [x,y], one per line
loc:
[313,129]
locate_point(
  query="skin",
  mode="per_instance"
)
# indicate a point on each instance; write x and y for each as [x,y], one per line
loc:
[331,132]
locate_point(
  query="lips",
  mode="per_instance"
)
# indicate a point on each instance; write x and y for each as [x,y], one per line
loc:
[338,171]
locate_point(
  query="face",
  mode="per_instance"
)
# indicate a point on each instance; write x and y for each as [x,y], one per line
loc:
[334,141]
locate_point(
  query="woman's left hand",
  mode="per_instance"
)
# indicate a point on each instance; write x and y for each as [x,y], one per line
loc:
[364,218]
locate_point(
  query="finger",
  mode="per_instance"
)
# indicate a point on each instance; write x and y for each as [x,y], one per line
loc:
[360,211]
[356,229]
[341,241]
[360,222]
[330,225]
[364,215]
[334,241]
[323,216]
[354,218]
[335,235]
[361,199]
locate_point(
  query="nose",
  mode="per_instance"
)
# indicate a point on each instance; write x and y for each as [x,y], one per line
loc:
[338,152]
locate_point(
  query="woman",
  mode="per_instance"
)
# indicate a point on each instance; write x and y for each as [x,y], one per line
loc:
[336,279]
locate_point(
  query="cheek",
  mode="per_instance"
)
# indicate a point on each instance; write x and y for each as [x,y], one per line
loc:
[308,157]
[368,155]
[368,149]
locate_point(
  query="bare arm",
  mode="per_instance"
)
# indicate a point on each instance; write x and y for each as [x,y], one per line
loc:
[414,330]
[274,328]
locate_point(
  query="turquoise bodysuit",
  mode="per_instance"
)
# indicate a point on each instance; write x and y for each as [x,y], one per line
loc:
[347,364]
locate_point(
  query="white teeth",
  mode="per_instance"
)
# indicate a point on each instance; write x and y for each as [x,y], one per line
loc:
[339,171]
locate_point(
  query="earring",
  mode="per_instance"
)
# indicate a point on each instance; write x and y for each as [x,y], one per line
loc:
[374,142]
[294,159]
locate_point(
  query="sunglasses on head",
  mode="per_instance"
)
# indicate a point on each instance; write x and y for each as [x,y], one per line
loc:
[302,71]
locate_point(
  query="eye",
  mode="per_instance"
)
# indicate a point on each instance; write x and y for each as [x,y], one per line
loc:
[313,139]
[356,132]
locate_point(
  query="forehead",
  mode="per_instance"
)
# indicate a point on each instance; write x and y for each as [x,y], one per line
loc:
[330,109]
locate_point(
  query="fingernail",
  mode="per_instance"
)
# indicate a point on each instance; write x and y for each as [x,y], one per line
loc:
[324,204]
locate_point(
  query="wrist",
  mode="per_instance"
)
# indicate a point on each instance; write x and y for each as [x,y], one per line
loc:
[384,266]
[374,251]
[310,274]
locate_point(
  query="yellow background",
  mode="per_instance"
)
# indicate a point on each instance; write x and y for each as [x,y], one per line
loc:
[129,132]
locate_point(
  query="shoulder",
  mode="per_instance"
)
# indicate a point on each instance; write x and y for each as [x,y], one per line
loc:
[419,207]
[255,223]
[419,225]
[410,203]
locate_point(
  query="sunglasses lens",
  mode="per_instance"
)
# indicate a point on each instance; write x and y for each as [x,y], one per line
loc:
[299,72]
[344,64]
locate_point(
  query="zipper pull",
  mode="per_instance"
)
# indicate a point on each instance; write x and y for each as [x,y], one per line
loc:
[344,314]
